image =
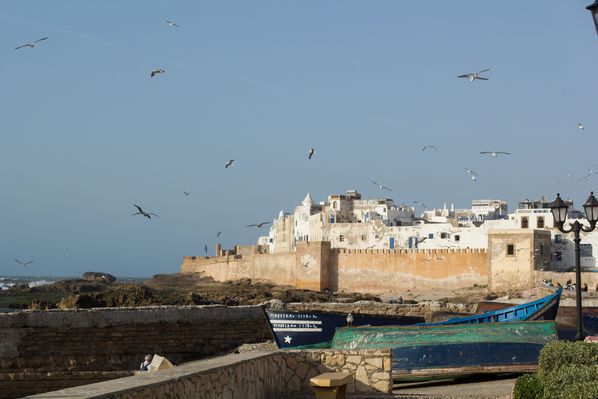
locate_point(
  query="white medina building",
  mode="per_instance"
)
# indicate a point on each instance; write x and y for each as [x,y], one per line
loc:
[348,221]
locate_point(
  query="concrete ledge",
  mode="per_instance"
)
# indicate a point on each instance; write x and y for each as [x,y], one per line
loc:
[160,383]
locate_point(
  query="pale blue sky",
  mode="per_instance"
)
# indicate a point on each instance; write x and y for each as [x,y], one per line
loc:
[85,132]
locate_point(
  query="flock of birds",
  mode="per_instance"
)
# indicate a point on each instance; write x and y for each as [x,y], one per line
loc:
[473,76]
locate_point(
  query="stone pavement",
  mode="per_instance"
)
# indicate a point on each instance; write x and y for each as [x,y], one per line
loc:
[498,387]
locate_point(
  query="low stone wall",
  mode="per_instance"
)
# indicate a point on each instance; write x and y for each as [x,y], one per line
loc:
[281,374]
[371,368]
[116,339]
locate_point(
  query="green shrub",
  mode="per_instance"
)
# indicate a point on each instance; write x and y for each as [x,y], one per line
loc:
[561,353]
[584,390]
[528,386]
[569,378]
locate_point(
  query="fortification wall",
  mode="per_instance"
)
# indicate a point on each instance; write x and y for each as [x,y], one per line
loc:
[316,266]
[116,339]
[383,271]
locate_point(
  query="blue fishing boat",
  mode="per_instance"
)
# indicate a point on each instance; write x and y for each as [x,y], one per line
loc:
[444,351]
[313,329]
[541,309]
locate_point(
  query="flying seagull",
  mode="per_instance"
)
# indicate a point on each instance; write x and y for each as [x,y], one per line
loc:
[218,234]
[258,225]
[494,153]
[32,45]
[23,263]
[172,23]
[143,213]
[431,147]
[420,203]
[587,177]
[381,187]
[230,163]
[474,175]
[474,76]
[580,126]
[186,193]
[156,71]
[311,152]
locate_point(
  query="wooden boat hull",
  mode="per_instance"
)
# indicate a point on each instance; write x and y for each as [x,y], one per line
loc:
[424,352]
[300,330]
[544,308]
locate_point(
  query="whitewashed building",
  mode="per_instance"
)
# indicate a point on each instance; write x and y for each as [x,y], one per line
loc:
[348,221]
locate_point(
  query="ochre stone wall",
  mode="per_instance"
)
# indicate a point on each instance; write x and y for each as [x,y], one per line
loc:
[316,266]
[383,271]
[116,339]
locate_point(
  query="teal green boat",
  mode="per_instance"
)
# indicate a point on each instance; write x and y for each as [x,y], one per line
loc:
[444,351]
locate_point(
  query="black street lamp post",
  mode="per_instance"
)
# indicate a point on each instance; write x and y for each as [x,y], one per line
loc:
[559,212]
[594,10]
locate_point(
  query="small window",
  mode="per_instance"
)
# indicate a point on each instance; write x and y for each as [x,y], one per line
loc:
[540,222]
[341,238]
[430,236]
[457,237]
[271,240]
[524,223]
[333,204]
[444,235]
[363,237]
[510,249]
[558,256]
[331,220]
[585,250]
[558,238]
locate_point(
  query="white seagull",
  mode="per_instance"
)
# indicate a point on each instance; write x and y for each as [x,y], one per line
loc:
[31,45]
[474,76]
[587,177]
[230,163]
[381,187]
[172,23]
[494,153]
[23,263]
[156,72]
[311,153]
[580,126]
[474,175]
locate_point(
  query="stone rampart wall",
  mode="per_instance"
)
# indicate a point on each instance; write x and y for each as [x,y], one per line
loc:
[387,271]
[316,266]
[116,339]
[274,375]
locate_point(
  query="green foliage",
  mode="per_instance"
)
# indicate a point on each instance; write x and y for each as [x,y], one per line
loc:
[561,353]
[584,390]
[563,381]
[528,386]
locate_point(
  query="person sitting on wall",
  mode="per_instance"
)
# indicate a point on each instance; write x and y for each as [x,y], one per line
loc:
[144,366]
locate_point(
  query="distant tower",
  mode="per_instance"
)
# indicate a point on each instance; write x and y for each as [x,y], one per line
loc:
[308,202]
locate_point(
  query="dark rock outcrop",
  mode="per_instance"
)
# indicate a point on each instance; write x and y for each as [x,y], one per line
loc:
[99,277]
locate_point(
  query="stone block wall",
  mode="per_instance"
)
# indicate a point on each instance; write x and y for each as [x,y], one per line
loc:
[371,368]
[250,375]
[116,339]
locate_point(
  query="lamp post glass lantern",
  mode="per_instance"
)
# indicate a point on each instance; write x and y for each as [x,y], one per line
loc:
[594,10]
[559,210]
